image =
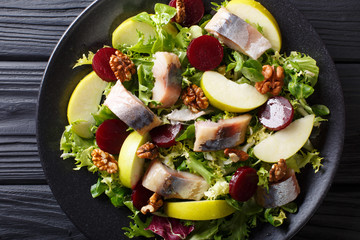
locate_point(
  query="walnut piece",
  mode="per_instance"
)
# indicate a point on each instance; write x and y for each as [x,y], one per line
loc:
[122,66]
[277,171]
[273,80]
[180,11]
[104,161]
[236,154]
[194,97]
[155,202]
[147,150]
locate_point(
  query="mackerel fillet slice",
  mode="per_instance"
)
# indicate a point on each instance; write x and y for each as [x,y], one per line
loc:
[226,133]
[170,183]
[279,193]
[166,71]
[237,34]
[130,109]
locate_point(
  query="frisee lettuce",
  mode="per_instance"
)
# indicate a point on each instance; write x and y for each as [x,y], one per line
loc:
[137,227]
[85,59]
[73,146]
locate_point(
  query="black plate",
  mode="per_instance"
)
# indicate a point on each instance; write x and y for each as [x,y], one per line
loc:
[97,218]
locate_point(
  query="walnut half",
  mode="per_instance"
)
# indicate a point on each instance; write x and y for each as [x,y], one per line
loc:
[273,80]
[147,150]
[278,171]
[122,66]
[104,161]
[155,202]
[194,97]
[236,154]
[180,11]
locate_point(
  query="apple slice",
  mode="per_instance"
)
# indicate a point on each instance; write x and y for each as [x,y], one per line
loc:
[130,165]
[230,96]
[126,32]
[286,142]
[198,210]
[84,101]
[255,13]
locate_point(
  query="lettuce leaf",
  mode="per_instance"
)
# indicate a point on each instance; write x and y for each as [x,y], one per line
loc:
[163,41]
[104,113]
[189,133]
[169,228]
[275,216]
[85,59]
[301,159]
[79,148]
[137,228]
[196,163]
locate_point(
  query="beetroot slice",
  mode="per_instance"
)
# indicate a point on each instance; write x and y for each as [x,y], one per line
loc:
[110,135]
[194,11]
[243,184]
[205,53]
[164,136]
[276,114]
[140,195]
[101,65]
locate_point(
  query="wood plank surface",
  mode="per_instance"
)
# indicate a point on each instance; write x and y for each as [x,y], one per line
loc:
[38,216]
[29,30]
[18,142]
[34,27]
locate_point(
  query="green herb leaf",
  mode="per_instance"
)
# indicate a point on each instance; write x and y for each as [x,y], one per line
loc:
[290,207]
[98,188]
[85,59]
[189,133]
[79,148]
[275,216]
[104,113]
[197,164]
[320,110]
[300,90]
[252,70]
[137,227]
[205,229]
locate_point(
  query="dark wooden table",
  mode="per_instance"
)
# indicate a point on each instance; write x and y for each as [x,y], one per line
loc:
[29,30]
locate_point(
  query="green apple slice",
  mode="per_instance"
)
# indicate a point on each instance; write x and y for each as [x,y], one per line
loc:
[198,210]
[286,142]
[84,101]
[256,13]
[130,165]
[230,96]
[126,32]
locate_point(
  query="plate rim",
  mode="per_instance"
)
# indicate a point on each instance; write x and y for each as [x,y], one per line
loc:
[94,4]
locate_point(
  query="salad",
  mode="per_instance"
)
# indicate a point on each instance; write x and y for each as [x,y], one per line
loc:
[197,123]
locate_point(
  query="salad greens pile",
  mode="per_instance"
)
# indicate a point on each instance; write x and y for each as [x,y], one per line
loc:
[301,76]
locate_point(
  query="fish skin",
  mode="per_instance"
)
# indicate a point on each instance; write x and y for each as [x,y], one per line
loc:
[130,109]
[226,133]
[279,193]
[245,38]
[167,74]
[170,183]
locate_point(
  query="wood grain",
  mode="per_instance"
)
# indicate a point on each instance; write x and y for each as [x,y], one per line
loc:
[34,27]
[18,142]
[31,212]
[29,30]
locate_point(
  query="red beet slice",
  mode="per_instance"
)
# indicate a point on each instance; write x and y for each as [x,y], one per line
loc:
[164,136]
[194,11]
[110,135]
[276,114]
[243,184]
[101,65]
[205,53]
[140,195]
